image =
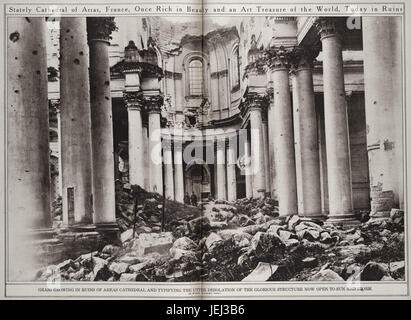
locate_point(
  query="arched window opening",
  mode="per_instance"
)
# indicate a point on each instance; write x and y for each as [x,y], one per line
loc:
[196,79]
[235,69]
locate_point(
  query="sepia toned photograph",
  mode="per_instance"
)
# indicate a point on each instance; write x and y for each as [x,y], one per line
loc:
[195,149]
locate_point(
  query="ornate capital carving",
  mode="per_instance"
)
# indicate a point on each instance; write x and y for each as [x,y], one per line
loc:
[326,27]
[302,57]
[279,57]
[256,101]
[100,28]
[154,103]
[133,100]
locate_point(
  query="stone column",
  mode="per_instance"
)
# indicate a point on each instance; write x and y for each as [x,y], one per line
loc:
[101,122]
[60,187]
[383,108]
[178,171]
[134,103]
[221,171]
[271,156]
[156,171]
[257,149]
[28,173]
[336,125]
[266,155]
[231,175]
[306,128]
[168,169]
[297,149]
[248,169]
[284,136]
[75,122]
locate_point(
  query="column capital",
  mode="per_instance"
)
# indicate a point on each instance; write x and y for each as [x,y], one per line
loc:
[327,27]
[279,58]
[255,101]
[303,58]
[100,28]
[133,100]
[153,103]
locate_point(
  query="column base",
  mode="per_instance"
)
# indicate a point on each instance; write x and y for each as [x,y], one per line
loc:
[81,227]
[317,217]
[345,220]
[109,231]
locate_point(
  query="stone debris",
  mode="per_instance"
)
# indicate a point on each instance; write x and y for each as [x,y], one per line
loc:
[262,272]
[239,241]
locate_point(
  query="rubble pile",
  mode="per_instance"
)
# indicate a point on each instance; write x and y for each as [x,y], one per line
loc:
[240,241]
[143,211]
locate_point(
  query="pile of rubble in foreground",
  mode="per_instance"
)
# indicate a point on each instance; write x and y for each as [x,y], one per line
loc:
[240,241]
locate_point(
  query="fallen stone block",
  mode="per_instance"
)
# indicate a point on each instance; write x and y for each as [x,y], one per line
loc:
[153,242]
[212,240]
[139,266]
[326,275]
[373,271]
[184,243]
[118,267]
[128,277]
[262,272]
[292,222]
[127,235]
[100,270]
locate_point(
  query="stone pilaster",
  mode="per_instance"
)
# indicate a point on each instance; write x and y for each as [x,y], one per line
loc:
[153,105]
[168,168]
[305,128]
[99,30]
[231,173]
[75,122]
[221,170]
[383,109]
[283,133]
[336,125]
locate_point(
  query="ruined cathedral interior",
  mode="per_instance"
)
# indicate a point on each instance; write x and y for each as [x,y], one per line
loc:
[306,111]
